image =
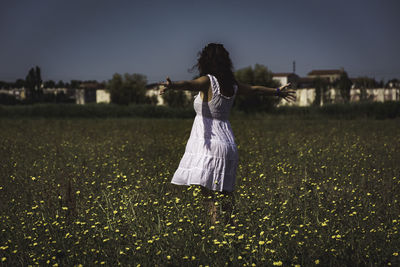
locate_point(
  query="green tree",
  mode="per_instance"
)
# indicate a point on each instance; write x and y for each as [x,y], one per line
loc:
[259,75]
[3,85]
[19,83]
[365,82]
[136,83]
[49,84]
[393,83]
[130,88]
[176,98]
[117,92]
[344,85]
[60,84]
[75,84]
[33,82]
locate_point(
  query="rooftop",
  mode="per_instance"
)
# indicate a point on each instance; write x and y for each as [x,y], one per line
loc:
[325,72]
[283,74]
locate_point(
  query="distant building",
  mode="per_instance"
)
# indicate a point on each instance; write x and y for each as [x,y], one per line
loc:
[394,83]
[156,92]
[306,96]
[91,92]
[103,96]
[286,77]
[84,96]
[305,82]
[331,75]
[374,94]
[56,91]
[368,90]
[18,93]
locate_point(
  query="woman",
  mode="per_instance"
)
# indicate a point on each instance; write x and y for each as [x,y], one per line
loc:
[211,156]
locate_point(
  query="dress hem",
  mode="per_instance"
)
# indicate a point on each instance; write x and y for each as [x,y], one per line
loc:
[185,184]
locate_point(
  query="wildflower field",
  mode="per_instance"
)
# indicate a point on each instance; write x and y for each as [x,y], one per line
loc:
[84,192]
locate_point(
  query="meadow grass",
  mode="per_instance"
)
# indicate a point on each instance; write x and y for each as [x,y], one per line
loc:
[97,192]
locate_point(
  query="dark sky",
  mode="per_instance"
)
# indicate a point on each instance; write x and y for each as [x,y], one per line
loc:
[87,40]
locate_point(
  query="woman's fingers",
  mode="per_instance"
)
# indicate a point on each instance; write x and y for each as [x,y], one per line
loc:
[292,97]
[289,99]
[285,86]
[292,94]
[289,96]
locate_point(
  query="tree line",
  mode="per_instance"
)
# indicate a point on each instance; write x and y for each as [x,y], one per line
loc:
[131,89]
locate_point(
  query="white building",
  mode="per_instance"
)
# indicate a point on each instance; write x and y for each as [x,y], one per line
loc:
[103,96]
[160,100]
[18,93]
[331,75]
[285,78]
[306,96]
[156,92]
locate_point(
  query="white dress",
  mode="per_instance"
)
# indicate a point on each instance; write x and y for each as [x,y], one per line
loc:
[211,155]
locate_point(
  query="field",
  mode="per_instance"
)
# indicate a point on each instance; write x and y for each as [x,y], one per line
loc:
[97,191]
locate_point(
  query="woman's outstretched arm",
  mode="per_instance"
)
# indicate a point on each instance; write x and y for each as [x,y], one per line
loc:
[288,95]
[200,84]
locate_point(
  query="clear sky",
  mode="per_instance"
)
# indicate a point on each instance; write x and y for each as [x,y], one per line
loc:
[93,39]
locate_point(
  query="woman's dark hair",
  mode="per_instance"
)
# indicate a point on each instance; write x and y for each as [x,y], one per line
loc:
[215,60]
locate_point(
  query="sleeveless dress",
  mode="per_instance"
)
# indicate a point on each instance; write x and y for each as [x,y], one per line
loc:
[211,155]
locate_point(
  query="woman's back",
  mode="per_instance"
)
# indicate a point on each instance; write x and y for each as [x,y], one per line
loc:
[219,106]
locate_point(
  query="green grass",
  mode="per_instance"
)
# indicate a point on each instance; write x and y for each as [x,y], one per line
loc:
[97,191]
[370,110]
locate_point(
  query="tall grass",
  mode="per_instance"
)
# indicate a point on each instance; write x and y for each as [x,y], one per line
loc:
[92,192]
[94,110]
[387,110]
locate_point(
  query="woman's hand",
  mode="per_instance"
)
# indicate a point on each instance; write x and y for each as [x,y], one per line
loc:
[165,86]
[288,95]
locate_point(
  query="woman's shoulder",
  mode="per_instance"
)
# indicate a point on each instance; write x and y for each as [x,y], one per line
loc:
[219,90]
[201,83]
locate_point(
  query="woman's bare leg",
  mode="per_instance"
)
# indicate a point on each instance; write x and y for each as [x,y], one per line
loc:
[210,203]
[227,206]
